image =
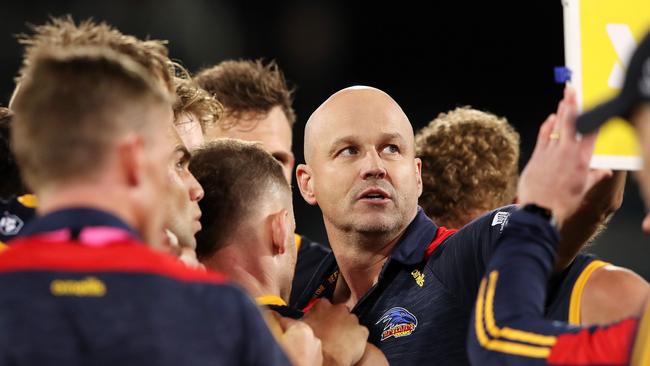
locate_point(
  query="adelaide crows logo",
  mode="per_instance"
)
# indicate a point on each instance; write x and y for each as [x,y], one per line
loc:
[10,224]
[398,322]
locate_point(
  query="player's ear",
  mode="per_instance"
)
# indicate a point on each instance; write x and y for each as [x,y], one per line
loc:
[131,155]
[305,183]
[418,174]
[279,231]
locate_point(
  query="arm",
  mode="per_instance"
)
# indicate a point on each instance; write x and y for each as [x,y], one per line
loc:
[612,293]
[508,325]
[599,204]
[591,196]
[478,240]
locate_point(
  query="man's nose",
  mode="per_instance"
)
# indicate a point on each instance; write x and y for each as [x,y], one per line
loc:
[196,191]
[373,166]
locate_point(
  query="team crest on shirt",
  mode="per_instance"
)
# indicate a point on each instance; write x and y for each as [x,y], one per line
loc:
[398,322]
[10,224]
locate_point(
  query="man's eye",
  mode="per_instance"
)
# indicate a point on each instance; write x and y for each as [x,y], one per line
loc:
[181,163]
[348,151]
[391,149]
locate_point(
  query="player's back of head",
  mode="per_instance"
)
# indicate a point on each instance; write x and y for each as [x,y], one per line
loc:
[73,103]
[469,165]
[63,32]
[238,178]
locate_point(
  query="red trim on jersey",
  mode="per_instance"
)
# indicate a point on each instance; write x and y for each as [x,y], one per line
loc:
[310,304]
[442,234]
[130,256]
[604,346]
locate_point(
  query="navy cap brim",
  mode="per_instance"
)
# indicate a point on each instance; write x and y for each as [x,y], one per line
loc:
[591,120]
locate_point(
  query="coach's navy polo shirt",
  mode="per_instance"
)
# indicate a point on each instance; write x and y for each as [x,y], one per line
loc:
[419,310]
[80,288]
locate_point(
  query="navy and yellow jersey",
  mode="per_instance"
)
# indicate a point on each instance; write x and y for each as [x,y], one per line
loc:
[15,212]
[310,254]
[508,325]
[419,310]
[565,289]
[81,289]
[275,303]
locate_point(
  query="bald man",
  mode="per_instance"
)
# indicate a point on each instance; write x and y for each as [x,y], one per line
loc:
[410,282]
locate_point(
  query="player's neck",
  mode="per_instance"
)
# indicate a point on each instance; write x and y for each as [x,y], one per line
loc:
[85,195]
[359,265]
[239,268]
[353,284]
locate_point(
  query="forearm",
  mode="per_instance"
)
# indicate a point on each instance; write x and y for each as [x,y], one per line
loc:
[508,325]
[510,302]
[598,205]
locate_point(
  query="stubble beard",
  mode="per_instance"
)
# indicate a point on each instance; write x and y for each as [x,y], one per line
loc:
[369,227]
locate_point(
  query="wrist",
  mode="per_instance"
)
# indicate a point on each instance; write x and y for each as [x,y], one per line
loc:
[542,212]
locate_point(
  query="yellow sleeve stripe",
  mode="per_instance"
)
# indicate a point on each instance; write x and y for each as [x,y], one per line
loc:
[641,350]
[542,348]
[298,240]
[3,246]
[512,334]
[578,288]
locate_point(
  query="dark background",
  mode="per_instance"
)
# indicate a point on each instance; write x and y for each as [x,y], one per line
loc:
[430,56]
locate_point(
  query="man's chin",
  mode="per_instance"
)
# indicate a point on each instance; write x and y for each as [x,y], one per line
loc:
[378,225]
[187,241]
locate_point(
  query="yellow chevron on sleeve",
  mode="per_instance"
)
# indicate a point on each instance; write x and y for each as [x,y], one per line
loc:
[578,288]
[505,346]
[298,240]
[512,334]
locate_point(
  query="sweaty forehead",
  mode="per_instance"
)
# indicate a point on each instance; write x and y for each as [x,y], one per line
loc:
[356,112]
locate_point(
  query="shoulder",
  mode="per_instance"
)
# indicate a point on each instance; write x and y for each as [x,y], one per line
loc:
[126,256]
[612,293]
[484,230]
[493,221]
